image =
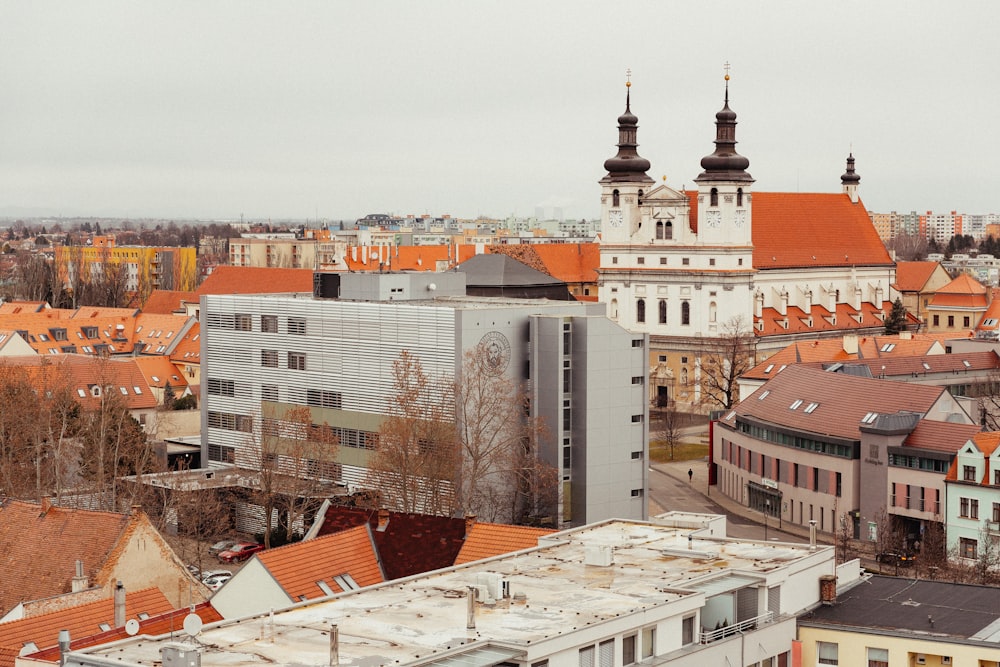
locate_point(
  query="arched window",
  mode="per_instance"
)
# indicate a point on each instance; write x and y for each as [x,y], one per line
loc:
[713,199]
[711,311]
[659,230]
[739,197]
[614,198]
[639,200]
[669,231]
[684,377]
[614,309]
[663,311]
[640,310]
[685,312]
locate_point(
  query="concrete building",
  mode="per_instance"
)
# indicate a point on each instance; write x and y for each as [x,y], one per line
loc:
[814,445]
[611,594]
[333,352]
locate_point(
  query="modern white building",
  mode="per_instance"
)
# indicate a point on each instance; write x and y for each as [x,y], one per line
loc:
[333,352]
[611,594]
[972,491]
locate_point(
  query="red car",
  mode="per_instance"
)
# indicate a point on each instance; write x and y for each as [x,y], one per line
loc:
[240,552]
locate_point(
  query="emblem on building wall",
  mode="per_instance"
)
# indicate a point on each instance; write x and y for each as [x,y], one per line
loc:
[496,352]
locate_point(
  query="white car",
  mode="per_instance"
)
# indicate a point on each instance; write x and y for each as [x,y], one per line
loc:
[216,582]
[211,574]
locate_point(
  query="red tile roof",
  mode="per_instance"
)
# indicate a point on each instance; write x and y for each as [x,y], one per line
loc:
[841,401]
[492,539]
[937,436]
[962,292]
[840,233]
[39,548]
[18,307]
[85,374]
[298,567]
[154,626]
[772,323]
[81,621]
[254,280]
[570,262]
[167,302]
[409,544]
[408,258]
[913,276]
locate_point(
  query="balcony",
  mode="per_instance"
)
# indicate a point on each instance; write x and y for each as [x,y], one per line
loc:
[743,626]
[993,527]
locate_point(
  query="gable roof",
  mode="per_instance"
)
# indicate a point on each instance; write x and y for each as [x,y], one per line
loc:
[962,292]
[85,374]
[407,543]
[40,544]
[256,280]
[298,567]
[167,302]
[570,262]
[839,232]
[17,307]
[841,401]
[913,276]
[82,621]
[485,540]
[946,437]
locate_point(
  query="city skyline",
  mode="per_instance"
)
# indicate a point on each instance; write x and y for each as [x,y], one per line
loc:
[334,111]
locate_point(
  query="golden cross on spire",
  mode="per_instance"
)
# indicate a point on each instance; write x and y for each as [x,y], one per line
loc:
[628,77]
[726,67]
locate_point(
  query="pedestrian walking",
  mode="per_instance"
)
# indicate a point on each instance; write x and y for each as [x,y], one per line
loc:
[690,475]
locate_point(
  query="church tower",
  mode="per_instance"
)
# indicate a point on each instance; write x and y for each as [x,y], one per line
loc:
[625,183]
[724,186]
[849,181]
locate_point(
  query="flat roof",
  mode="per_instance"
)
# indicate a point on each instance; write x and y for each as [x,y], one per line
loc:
[553,592]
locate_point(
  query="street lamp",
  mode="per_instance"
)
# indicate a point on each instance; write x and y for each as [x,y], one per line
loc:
[767,510]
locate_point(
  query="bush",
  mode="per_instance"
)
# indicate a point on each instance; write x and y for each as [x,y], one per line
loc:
[189,402]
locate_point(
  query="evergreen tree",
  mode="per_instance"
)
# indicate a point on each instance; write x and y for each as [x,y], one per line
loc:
[896,320]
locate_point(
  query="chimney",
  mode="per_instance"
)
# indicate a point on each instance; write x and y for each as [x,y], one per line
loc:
[119,605]
[64,644]
[470,618]
[828,589]
[812,534]
[383,520]
[470,521]
[80,581]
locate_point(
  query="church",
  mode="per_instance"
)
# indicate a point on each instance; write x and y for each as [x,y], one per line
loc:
[693,267]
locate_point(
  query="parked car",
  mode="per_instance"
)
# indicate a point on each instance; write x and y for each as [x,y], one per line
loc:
[222,545]
[899,559]
[240,552]
[208,574]
[216,582]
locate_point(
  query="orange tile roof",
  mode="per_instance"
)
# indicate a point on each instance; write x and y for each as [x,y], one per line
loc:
[962,292]
[255,280]
[570,262]
[18,307]
[82,621]
[39,548]
[167,302]
[798,320]
[154,626]
[986,442]
[85,372]
[298,567]
[913,276]
[188,350]
[486,540]
[158,334]
[407,258]
[158,371]
[937,436]
[840,233]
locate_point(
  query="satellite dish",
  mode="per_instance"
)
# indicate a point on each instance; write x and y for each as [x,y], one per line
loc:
[131,627]
[192,624]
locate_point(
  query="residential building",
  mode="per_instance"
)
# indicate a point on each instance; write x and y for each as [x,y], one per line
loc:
[957,306]
[973,501]
[146,267]
[334,354]
[288,253]
[916,283]
[56,558]
[690,266]
[814,445]
[889,621]
[612,593]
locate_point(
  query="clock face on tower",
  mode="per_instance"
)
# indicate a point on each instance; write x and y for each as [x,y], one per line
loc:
[713,218]
[615,217]
[741,218]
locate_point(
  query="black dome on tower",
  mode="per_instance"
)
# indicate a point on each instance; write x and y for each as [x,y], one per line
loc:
[850,176]
[627,165]
[725,164]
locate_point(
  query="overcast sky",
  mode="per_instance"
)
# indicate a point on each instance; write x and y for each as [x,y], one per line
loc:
[338,109]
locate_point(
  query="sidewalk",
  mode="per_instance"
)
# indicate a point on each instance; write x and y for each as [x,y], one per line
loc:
[699,482]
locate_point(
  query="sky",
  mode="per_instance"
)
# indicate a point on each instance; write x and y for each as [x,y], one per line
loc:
[332,110]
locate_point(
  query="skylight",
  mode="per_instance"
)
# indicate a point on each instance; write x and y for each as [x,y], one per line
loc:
[796,404]
[869,418]
[810,408]
[764,395]
[137,389]
[888,347]
[965,362]
[769,368]
[926,366]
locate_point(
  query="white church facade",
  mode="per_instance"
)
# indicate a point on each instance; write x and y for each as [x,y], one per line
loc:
[687,267]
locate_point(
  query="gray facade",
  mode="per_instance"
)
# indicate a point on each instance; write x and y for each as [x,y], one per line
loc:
[336,357]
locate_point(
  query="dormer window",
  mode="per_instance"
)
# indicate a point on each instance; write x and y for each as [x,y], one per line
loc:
[713,197]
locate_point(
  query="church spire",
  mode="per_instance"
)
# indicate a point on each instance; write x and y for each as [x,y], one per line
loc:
[850,180]
[725,164]
[627,165]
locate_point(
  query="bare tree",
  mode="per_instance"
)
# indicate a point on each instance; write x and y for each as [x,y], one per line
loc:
[844,538]
[417,458]
[670,428]
[932,559]
[908,247]
[723,360]
[296,462]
